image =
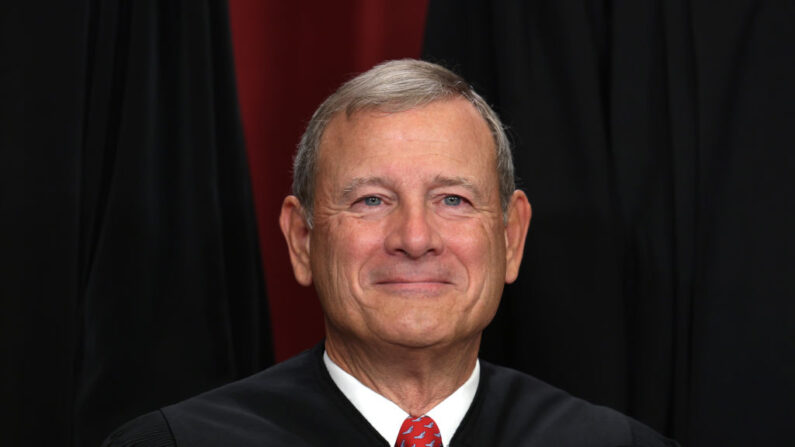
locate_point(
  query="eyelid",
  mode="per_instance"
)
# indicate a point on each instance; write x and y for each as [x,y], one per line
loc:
[463,197]
[360,199]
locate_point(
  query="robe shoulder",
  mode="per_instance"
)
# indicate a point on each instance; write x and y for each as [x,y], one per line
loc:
[513,408]
[149,430]
[280,406]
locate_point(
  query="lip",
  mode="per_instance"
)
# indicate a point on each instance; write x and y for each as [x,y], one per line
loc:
[412,281]
[422,286]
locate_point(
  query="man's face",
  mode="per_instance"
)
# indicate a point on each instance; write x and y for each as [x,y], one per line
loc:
[409,244]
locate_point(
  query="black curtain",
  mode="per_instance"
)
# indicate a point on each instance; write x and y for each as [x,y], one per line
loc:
[655,141]
[130,274]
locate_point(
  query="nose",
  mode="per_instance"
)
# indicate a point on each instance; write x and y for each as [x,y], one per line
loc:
[412,232]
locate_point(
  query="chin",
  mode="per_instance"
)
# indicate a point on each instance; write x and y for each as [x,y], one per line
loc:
[415,336]
[414,343]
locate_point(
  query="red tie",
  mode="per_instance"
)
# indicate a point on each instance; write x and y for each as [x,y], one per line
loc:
[419,432]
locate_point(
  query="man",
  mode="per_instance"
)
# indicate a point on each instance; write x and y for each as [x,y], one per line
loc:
[407,221]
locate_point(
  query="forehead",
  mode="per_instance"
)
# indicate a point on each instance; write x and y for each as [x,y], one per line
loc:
[449,134]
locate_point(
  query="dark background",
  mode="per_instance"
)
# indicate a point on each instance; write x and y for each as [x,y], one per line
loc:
[653,139]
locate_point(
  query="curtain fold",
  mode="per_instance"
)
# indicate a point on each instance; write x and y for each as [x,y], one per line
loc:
[127,216]
[654,140]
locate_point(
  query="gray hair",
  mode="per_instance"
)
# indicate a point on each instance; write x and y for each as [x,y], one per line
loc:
[395,86]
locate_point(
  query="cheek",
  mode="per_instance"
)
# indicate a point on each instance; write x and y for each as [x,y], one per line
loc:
[348,246]
[477,247]
[481,251]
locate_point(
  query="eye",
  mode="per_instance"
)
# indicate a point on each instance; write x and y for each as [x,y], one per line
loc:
[452,200]
[372,201]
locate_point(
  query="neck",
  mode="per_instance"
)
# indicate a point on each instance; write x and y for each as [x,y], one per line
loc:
[414,378]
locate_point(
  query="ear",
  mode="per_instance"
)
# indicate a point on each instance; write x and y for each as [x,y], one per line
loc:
[297,234]
[519,213]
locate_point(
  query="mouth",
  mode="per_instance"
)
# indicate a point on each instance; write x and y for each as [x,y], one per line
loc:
[425,286]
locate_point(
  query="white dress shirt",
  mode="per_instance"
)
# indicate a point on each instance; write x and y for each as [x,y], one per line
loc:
[386,417]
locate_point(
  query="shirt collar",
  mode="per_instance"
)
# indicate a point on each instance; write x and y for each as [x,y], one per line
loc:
[386,417]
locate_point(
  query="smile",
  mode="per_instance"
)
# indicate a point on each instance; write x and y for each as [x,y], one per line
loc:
[426,287]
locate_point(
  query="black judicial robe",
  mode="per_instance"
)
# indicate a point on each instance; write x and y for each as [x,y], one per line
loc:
[295,403]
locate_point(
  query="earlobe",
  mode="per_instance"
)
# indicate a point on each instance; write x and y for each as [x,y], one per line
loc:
[519,213]
[297,234]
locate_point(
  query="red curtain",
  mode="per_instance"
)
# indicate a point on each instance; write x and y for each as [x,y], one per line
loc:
[289,56]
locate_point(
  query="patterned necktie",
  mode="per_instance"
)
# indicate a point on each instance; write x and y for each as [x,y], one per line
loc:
[419,432]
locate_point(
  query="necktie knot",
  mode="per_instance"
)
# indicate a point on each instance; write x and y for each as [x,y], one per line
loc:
[419,432]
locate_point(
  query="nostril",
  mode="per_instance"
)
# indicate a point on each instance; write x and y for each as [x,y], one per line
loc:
[413,233]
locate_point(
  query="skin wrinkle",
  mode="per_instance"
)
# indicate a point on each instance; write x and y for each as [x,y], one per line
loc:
[439,181]
[427,387]
[408,284]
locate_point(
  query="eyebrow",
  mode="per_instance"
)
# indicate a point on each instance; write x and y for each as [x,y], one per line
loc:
[358,182]
[438,181]
[463,182]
